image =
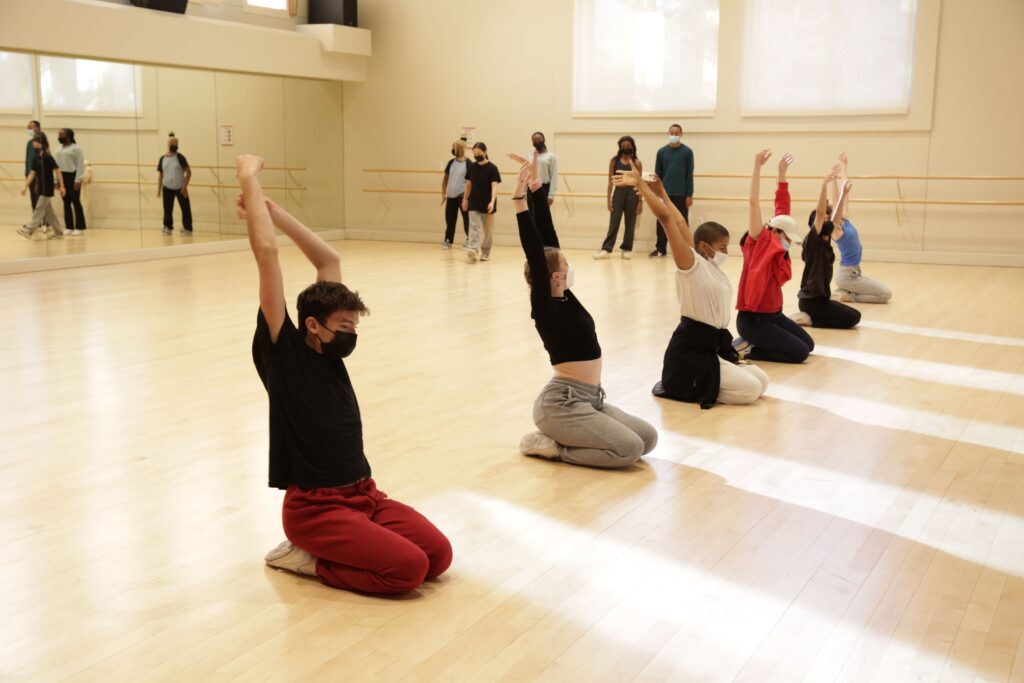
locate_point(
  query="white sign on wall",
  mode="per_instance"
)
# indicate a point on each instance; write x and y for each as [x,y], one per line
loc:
[227,135]
[468,135]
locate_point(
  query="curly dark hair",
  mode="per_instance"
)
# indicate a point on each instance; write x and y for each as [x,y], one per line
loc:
[323,298]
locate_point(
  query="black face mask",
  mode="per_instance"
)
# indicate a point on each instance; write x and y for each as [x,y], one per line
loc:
[341,346]
[626,151]
[479,159]
[174,149]
[539,146]
[62,141]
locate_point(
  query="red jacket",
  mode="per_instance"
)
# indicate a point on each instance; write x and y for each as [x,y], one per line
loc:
[766,265]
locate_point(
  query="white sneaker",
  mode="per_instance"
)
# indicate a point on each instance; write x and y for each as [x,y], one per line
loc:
[801,318]
[602,255]
[537,444]
[291,559]
[626,255]
[473,255]
[446,245]
[25,232]
[485,257]
[55,235]
[168,231]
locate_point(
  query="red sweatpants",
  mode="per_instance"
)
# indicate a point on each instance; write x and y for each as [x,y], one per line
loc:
[363,540]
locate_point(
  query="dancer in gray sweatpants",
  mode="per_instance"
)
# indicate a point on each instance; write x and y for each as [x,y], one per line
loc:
[851,285]
[575,424]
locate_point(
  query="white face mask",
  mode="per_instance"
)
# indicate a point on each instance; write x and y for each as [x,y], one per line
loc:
[570,278]
[720,258]
[673,139]
[785,242]
[31,133]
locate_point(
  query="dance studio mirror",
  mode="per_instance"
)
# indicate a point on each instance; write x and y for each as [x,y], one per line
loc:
[122,116]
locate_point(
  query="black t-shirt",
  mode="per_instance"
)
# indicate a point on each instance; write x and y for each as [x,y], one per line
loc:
[564,325]
[482,177]
[818,259]
[44,167]
[316,432]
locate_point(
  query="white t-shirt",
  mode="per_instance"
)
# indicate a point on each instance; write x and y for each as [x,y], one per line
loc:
[705,293]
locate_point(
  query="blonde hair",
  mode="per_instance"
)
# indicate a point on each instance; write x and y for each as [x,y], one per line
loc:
[554,258]
[460,147]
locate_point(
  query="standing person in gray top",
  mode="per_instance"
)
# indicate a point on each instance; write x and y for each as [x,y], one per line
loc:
[174,176]
[674,166]
[547,171]
[453,187]
[71,161]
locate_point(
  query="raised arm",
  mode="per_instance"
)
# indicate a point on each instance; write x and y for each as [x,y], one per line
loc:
[783,202]
[253,208]
[529,237]
[756,224]
[676,228]
[819,211]
[840,180]
[322,255]
[840,206]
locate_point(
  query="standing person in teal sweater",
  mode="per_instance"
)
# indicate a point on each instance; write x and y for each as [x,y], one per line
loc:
[674,166]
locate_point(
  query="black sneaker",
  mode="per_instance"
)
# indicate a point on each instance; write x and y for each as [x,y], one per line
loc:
[656,253]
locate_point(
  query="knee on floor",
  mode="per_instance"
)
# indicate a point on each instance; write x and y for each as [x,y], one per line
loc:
[408,571]
[439,557]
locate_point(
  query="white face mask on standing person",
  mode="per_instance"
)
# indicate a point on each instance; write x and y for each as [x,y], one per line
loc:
[674,139]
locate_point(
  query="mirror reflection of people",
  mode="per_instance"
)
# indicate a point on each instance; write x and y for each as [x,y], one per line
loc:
[32,129]
[175,174]
[453,187]
[44,177]
[71,161]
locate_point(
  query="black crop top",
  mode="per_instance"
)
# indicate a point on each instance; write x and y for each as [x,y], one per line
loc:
[564,325]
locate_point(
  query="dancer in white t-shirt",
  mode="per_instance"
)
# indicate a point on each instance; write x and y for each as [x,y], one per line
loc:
[700,365]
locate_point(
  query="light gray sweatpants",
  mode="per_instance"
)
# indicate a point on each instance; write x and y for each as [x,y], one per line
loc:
[44,213]
[862,290]
[481,232]
[589,431]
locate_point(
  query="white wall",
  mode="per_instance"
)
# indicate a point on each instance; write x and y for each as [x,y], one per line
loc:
[506,69]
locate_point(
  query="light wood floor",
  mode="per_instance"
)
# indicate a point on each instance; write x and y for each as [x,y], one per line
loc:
[865,521]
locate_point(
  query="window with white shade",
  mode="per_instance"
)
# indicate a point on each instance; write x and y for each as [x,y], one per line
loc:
[17,96]
[828,56]
[86,86]
[278,5]
[633,56]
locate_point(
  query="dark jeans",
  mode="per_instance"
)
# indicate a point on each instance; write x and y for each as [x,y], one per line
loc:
[547,230]
[680,203]
[74,215]
[186,209]
[624,202]
[774,337]
[451,215]
[827,313]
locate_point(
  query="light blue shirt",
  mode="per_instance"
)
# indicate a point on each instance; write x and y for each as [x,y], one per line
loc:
[849,245]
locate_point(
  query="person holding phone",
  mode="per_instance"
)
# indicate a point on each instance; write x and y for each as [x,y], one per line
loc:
[622,201]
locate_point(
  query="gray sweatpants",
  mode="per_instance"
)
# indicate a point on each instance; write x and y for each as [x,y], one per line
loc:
[44,213]
[481,232]
[862,289]
[589,431]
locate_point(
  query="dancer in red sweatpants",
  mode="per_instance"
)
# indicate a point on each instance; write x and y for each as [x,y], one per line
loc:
[339,526]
